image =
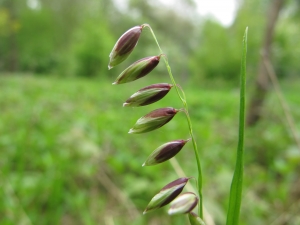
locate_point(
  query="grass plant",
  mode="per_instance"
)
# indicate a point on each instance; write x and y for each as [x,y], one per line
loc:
[159,117]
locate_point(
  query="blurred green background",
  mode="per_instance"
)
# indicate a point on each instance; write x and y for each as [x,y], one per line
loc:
[65,155]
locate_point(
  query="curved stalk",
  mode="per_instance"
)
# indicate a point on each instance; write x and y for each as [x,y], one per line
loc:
[183,100]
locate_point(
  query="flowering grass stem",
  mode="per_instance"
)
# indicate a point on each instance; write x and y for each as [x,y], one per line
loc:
[181,95]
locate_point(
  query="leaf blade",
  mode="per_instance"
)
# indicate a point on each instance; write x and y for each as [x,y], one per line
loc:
[235,198]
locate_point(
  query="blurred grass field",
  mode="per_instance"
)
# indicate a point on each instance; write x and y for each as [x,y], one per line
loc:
[66,156]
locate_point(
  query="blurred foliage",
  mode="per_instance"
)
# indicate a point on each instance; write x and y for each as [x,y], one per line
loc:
[36,43]
[75,37]
[287,46]
[58,133]
[208,60]
[90,46]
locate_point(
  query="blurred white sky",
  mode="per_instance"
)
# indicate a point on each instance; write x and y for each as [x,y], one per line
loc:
[223,10]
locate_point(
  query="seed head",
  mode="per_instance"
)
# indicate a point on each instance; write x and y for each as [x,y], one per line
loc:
[153,120]
[167,194]
[165,152]
[124,46]
[184,203]
[138,69]
[148,95]
[195,219]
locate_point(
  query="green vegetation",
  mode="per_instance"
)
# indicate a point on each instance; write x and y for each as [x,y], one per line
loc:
[58,136]
[74,38]
[65,157]
[235,198]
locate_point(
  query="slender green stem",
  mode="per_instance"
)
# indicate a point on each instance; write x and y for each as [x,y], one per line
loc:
[183,99]
[167,65]
[235,197]
[182,92]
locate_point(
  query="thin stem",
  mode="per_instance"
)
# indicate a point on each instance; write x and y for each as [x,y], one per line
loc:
[183,100]
[180,88]
[167,65]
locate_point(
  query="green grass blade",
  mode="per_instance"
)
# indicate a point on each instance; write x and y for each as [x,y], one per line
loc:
[235,198]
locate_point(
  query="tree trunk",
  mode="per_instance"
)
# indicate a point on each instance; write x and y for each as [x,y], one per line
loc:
[262,80]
